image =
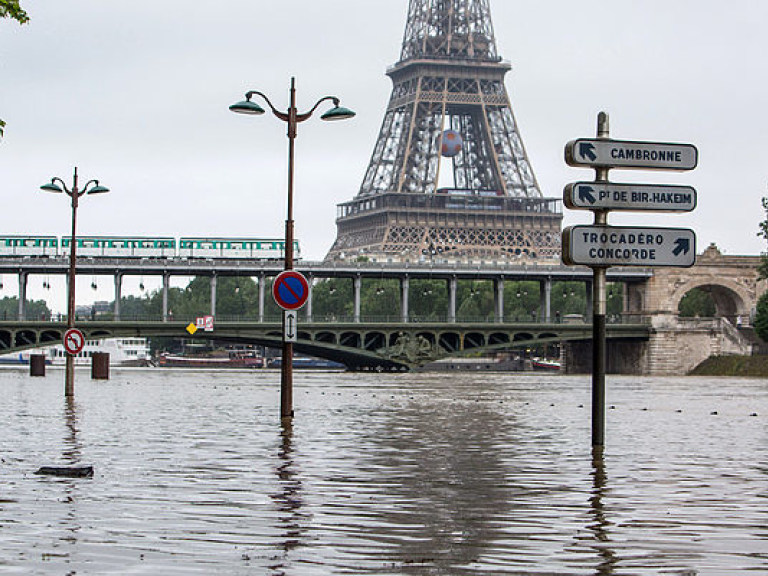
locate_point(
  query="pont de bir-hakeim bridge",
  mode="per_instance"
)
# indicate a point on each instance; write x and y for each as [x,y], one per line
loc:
[647,338]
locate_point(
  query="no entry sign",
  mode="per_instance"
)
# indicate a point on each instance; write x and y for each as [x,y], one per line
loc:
[74,341]
[290,290]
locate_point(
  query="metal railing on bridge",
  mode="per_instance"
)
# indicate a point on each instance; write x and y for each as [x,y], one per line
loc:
[490,319]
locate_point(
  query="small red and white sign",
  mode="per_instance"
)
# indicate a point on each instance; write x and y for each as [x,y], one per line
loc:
[74,341]
[204,323]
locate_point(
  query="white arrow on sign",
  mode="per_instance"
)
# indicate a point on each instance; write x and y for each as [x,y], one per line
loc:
[632,197]
[605,153]
[602,246]
[290,326]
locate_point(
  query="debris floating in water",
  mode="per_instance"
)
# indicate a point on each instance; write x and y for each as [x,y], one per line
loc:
[66,471]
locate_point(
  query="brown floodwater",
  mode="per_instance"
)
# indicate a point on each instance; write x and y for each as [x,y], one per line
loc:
[414,474]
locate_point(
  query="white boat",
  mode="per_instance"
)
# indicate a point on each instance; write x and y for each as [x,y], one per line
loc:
[122,352]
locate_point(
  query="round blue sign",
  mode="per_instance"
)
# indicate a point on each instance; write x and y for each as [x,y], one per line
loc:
[290,290]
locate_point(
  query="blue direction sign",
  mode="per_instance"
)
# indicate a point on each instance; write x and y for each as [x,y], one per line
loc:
[290,290]
[601,246]
[633,197]
[605,153]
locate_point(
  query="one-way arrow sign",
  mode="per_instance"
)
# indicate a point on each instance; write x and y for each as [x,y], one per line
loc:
[290,326]
[602,246]
[587,150]
[682,246]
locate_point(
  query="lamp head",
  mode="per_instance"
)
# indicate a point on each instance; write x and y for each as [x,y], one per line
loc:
[337,113]
[98,189]
[247,107]
[52,187]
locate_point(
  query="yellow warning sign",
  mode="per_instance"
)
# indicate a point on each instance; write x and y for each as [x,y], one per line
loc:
[191,328]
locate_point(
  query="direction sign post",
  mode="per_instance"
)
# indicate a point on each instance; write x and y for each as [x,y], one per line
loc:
[614,246]
[606,153]
[600,246]
[631,197]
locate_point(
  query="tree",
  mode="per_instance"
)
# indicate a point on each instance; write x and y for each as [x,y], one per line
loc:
[697,303]
[763,233]
[761,314]
[35,309]
[12,9]
[761,317]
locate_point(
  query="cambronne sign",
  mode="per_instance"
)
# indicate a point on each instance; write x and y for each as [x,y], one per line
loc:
[606,153]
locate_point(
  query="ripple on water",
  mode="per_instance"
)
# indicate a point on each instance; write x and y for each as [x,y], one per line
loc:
[444,474]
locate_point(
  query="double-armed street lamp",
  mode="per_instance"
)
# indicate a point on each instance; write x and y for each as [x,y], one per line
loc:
[292,117]
[58,186]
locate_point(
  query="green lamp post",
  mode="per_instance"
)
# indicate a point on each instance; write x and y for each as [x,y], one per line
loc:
[58,186]
[292,117]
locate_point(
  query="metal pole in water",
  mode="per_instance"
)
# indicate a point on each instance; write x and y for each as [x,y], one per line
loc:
[599,310]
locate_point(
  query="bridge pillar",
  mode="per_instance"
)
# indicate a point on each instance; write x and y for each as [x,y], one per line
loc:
[23,294]
[625,298]
[545,300]
[310,281]
[357,285]
[118,294]
[262,283]
[452,289]
[214,285]
[405,288]
[166,287]
[498,299]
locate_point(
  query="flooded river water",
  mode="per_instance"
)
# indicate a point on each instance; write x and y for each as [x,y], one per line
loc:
[414,474]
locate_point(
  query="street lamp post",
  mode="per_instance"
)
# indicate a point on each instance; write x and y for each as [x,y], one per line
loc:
[292,117]
[58,186]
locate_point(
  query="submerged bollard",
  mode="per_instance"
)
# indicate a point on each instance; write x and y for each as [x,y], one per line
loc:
[37,365]
[100,366]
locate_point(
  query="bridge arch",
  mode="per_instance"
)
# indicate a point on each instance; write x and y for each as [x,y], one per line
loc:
[732,281]
[730,298]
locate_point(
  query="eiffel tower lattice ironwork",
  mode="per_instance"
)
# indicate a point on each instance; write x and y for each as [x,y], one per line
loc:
[415,203]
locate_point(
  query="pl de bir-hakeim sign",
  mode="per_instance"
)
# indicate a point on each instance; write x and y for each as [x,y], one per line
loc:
[449,179]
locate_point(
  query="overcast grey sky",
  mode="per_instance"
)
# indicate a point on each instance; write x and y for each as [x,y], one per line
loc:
[136,92]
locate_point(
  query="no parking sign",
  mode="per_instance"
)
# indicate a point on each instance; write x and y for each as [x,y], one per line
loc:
[290,290]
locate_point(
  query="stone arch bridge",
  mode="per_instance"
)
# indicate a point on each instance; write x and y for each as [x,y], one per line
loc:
[677,345]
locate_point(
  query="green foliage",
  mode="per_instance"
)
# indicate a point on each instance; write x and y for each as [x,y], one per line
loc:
[761,318]
[12,9]
[35,309]
[750,366]
[697,303]
[762,268]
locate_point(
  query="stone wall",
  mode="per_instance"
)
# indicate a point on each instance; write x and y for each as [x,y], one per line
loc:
[676,347]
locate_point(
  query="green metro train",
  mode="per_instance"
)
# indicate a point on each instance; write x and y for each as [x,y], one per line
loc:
[145,247]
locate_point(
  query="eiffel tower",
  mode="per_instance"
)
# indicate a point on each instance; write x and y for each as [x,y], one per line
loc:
[418,203]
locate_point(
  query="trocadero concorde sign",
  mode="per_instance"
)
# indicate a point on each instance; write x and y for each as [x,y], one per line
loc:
[622,246]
